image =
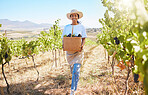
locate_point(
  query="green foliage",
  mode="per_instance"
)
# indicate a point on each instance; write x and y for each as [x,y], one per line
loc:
[30,48]
[57,35]
[51,39]
[130,25]
[89,42]
[46,41]
[5,51]
[22,48]
[16,46]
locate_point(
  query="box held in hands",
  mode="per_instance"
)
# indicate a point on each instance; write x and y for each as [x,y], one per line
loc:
[72,43]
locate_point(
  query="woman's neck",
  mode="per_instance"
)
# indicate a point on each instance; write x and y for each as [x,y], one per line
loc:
[74,23]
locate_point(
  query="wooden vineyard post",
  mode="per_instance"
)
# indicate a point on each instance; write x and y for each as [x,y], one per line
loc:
[54,47]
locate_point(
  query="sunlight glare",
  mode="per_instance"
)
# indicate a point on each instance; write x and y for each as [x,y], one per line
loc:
[125,4]
[141,12]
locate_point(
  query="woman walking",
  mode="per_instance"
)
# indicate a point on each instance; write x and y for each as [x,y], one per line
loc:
[75,58]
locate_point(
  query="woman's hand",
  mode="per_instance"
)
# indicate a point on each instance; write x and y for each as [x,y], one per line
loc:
[83,41]
[81,48]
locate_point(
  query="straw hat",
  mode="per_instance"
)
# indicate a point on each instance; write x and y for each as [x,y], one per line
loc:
[74,11]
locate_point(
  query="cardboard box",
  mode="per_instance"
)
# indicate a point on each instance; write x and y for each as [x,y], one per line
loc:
[72,43]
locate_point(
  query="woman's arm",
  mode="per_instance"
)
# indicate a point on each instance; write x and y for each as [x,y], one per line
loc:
[83,42]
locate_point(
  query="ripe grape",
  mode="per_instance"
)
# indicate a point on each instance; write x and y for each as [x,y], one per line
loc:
[6,55]
[73,35]
[79,35]
[69,35]
[136,76]
[108,43]
[117,40]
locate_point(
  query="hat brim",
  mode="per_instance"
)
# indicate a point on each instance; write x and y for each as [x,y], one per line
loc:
[80,15]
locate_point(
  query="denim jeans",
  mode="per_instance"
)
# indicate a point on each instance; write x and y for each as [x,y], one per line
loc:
[75,75]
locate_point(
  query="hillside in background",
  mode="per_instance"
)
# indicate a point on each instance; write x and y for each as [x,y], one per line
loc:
[23,25]
[31,26]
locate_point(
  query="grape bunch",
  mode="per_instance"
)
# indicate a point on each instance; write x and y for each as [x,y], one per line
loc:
[73,35]
[136,76]
[79,35]
[117,40]
[108,43]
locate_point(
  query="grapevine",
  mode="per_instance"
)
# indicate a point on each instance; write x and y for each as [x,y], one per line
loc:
[5,56]
[50,40]
[126,32]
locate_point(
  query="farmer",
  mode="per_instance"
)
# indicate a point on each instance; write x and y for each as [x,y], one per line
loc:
[75,58]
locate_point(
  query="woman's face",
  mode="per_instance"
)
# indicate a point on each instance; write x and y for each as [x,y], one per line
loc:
[74,17]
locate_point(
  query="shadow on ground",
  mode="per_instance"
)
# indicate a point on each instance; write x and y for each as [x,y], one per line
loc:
[59,85]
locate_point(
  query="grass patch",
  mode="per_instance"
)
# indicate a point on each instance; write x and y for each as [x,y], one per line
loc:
[90,42]
[84,81]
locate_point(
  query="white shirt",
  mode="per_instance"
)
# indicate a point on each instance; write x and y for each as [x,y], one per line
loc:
[77,29]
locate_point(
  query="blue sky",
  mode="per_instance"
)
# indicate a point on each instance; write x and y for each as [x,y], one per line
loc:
[47,11]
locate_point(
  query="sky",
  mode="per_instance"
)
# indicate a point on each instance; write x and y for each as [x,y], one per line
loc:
[48,11]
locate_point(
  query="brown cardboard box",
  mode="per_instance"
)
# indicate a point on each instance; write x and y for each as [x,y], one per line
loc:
[72,43]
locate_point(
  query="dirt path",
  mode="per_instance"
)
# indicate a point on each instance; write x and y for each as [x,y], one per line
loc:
[95,75]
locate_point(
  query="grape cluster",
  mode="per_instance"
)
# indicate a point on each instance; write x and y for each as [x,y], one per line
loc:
[136,76]
[73,35]
[117,40]
[79,35]
[108,43]
[6,55]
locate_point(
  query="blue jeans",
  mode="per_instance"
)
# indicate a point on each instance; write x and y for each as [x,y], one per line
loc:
[75,76]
